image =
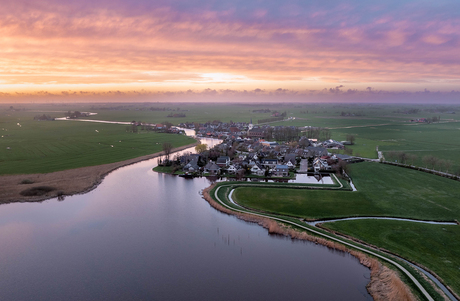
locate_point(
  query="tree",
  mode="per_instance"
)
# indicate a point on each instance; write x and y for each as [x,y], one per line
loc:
[430,161]
[341,167]
[402,156]
[325,134]
[200,148]
[167,124]
[351,138]
[426,161]
[167,147]
[411,158]
[448,164]
[239,174]
[348,151]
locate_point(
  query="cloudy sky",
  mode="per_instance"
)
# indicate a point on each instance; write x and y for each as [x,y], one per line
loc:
[233,48]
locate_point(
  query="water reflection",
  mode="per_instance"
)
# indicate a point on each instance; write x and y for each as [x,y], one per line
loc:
[144,235]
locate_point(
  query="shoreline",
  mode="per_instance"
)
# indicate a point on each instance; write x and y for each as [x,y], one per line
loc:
[385,284]
[66,182]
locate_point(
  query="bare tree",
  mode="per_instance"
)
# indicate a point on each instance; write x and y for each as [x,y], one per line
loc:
[448,164]
[351,138]
[167,147]
[402,157]
[411,158]
[348,151]
[430,161]
[435,162]
[167,124]
[341,167]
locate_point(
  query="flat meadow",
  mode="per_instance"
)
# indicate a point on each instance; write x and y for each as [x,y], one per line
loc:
[64,145]
[383,190]
[29,146]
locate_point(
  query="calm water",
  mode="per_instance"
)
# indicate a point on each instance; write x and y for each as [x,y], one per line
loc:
[147,236]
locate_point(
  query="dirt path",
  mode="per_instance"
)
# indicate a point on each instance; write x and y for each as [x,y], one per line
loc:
[66,182]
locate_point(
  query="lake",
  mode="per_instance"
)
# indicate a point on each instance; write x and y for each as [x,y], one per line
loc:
[141,235]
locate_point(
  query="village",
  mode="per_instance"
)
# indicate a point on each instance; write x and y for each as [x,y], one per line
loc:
[246,150]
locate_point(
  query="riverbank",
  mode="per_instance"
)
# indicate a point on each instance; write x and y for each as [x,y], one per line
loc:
[62,183]
[385,283]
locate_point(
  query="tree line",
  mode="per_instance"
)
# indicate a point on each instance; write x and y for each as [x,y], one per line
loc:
[429,161]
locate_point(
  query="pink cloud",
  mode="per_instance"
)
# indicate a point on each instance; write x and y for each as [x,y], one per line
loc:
[86,43]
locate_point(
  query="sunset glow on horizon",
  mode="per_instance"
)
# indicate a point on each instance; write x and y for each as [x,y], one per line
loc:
[104,48]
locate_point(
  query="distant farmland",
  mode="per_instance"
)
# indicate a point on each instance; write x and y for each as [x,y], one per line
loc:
[47,146]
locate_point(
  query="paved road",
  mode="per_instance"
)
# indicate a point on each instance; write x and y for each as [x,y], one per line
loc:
[303,166]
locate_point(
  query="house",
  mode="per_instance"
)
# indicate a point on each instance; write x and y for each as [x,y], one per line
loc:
[232,169]
[290,165]
[258,133]
[281,171]
[212,168]
[234,130]
[312,151]
[189,158]
[258,169]
[223,161]
[269,163]
[332,144]
[345,158]
[253,156]
[321,165]
[290,158]
[192,166]
[269,143]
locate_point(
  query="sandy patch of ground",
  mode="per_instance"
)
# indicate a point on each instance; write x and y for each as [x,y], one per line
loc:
[66,182]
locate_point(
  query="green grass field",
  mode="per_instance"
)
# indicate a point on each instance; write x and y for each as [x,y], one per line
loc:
[378,125]
[435,246]
[47,146]
[383,190]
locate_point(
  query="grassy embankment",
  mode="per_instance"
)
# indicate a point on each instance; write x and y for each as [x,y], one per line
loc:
[48,146]
[382,191]
[436,247]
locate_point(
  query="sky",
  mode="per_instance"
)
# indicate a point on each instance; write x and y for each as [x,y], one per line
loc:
[356,50]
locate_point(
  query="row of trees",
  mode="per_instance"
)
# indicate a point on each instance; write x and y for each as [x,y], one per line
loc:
[434,119]
[134,127]
[271,119]
[429,161]
[74,115]
[283,133]
[321,134]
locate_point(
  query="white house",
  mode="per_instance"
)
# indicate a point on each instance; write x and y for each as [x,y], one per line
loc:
[257,170]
